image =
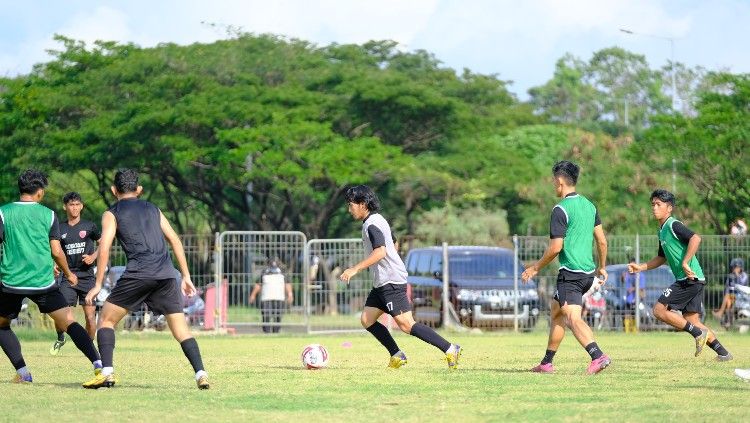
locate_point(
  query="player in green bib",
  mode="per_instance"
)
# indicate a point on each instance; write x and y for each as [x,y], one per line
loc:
[574,226]
[677,247]
[30,236]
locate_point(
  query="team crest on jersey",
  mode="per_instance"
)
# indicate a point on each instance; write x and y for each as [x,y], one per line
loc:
[82,234]
[63,236]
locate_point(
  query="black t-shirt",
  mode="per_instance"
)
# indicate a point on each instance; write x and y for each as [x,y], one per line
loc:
[139,232]
[76,241]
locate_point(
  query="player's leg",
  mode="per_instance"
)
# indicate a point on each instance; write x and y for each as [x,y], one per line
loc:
[374,308]
[571,302]
[181,332]
[109,316]
[63,318]
[71,299]
[556,335]
[265,315]
[278,310]
[89,311]
[693,317]
[677,297]
[10,306]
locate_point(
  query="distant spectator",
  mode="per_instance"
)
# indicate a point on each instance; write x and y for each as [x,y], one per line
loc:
[737,276]
[738,228]
[274,290]
[194,306]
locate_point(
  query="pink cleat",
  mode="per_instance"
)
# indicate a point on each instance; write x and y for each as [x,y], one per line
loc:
[598,365]
[544,368]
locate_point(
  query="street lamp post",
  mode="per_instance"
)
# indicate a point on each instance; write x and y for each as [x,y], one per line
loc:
[671,53]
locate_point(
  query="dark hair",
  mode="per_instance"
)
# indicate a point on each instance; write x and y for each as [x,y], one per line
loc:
[566,170]
[126,180]
[72,196]
[363,194]
[663,195]
[31,181]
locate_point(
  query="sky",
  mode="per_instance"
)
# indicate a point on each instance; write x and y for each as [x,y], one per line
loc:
[519,41]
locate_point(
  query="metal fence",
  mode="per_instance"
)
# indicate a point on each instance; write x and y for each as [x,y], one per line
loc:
[241,261]
[491,296]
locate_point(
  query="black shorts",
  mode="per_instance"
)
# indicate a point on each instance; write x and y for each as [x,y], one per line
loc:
[684,296]
[391,298]
[10,304]
[161,296]
[75,295]
[571,290]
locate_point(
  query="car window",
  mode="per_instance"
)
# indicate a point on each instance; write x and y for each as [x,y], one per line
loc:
[436,264]
[411,263]
[423,265]
[481,265]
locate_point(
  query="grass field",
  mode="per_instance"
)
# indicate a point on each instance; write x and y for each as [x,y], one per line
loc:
[654,377]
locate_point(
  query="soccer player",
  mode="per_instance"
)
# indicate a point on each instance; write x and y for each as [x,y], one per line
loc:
[149,275]
[77,238]
[574,225]
[677,247]
[388,294]
[30,235]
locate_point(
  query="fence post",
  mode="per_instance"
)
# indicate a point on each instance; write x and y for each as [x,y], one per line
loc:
[637,285]
[305,284]
[515,283]
[218,283]
[446,296]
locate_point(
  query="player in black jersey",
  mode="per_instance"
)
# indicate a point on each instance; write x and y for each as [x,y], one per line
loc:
[141,229]
[77,238]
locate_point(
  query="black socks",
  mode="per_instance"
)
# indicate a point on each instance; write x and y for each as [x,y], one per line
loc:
[381,334]
[716,346]
[427,334]
[81,338]
[61,336]
[548,356]
[105,337]
[193,353]
[11,347]
[594,351]
[692,329]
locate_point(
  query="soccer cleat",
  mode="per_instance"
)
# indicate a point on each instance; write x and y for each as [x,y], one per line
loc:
[397,360]
[202,382]
[727,357]
[22,379]
[56,347]
[452,358]
[743,374]
[543,368]
[700,342]
[598,365]
[100,381]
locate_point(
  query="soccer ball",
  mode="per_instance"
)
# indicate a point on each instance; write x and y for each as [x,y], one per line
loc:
[314,356]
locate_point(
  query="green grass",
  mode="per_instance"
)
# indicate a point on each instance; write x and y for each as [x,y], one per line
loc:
[654,377]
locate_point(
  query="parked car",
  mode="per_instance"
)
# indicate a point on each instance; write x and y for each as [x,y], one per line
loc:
[481,286]
[657,280]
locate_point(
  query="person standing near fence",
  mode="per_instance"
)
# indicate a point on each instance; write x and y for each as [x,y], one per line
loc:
[30,235]
[78,237]
[574,226]
[388,294]
[275,294]
[677,247]
[736,276]
[141,229]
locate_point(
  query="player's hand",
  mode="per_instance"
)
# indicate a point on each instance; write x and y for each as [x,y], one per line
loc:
[603,275]
[89,259]
[348,274]
[529,273]
[72,279]
[56,270]
[187,286]
[688,271]
[634,268]
[91,296]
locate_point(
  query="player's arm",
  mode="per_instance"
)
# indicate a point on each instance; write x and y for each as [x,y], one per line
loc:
[289,293]
[58,255]
[693,241]
[109,229]
[377,240]
[651,264]
[95,236]
[254,292]
[374,257]
[179,252]
[601,249]
[558,226]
